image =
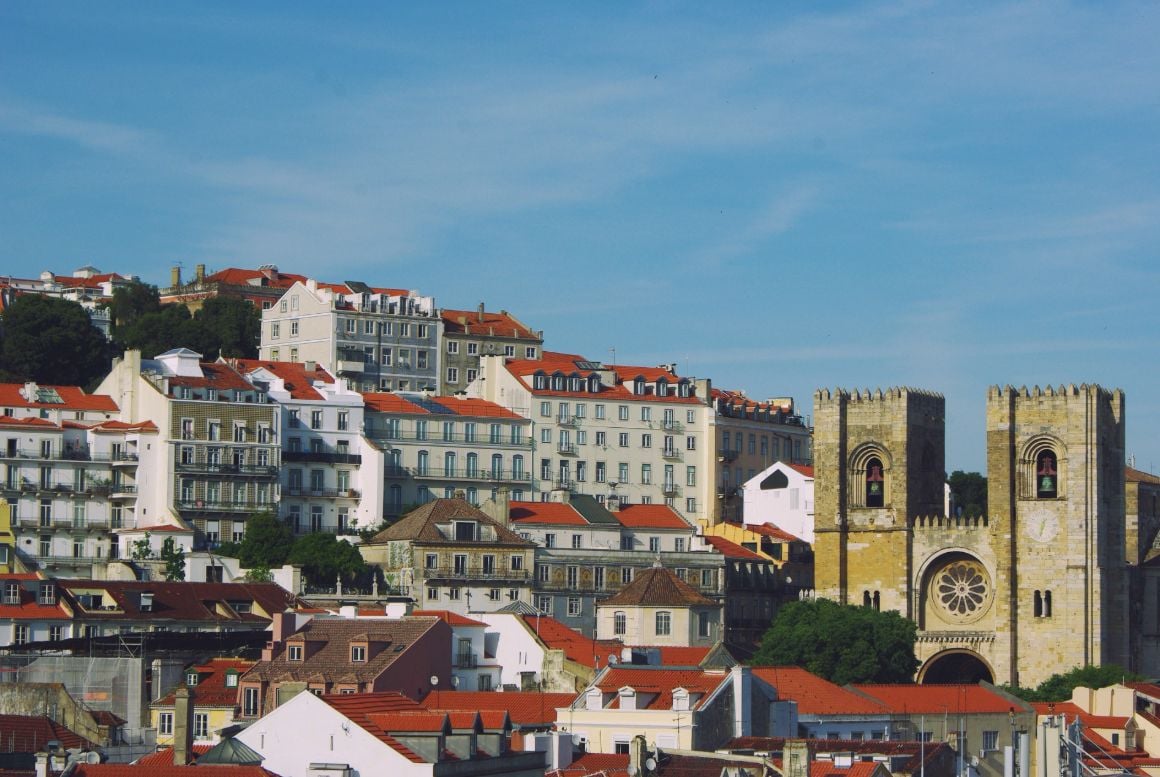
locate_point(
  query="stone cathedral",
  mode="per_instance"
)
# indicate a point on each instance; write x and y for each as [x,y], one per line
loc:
[1037,586]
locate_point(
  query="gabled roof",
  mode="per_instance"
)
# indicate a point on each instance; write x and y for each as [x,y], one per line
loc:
[418,404]
[574,365]
[660,587]
[815,695]
[1139,476]
[775,533]
[732,549]
[222,377]
[929,699]
[653,516]
[661,682]
[164,756]
[181,601]
[1073,711]
[296,379]
[329,657]
[552,513]
[421,525]
[360,707]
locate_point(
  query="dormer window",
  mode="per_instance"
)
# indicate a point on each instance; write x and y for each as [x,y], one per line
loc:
[577,384]
[46,594]
[638,386]
[465,530]
[662,387]
[146,601]
[191,678]
[593,383]
[680,699]
[294,652]
[684,389]
[539,381]
[358,654]
[11,593]
[557,382]
[231,678]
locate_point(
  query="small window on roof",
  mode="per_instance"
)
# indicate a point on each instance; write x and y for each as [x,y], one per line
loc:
[231,678]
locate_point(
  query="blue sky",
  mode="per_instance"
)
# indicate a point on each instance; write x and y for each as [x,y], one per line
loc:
[776,196]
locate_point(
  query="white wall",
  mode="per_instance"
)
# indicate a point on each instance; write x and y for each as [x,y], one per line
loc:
[790,508]
[517,650]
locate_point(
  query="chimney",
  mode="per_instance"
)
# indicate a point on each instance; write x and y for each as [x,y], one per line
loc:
[310,365]
[175,276]
[481,312]
[183,727]
[797,758]
[613,503]
[199,270]
[499,508]
[42,765]
[560,496]
[637,753]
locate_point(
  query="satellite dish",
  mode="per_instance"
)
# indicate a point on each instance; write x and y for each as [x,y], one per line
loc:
[632,771]
[650,764]
[434,679]
[612,659]
[576,740]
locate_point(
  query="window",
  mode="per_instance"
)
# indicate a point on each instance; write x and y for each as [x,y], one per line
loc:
[619,623]
[664,623]
[691,504]
[201,725]
[574,606]
[654,544]
[452,346]
[626,572]
[516,563]
[293,328]
[577,540]
[991,740]
[542,572]
[453,594]
[509,350]
[646,441]
[431,561]
[550,540]
[646,414]
[315,419]
[623,472]
[11,593]
[573,576]
[875,483]
[1046,476]
[294,652]
[56,633]
[601,472]
[598,578]
[421,359]
[622,412]
[706,578]
[646,474]
[679,545]
[544,604]
[358,654]
[165,723]
[620,747]
[704,624]
[600,412]
[471,375]
[623,439]
[546,409]
[602,439]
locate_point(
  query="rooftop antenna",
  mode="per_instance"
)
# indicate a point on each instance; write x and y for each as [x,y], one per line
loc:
[612,350]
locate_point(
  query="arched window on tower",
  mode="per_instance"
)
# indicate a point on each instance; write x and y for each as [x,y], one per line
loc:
[875,483]
[1046,475]
[1038,604]
[1047,604]
[866,599]
[877,601]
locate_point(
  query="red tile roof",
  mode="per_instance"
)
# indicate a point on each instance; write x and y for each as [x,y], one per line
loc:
[773,532]
[677,655]
[929,699]
[1073,711]
[359,707]
[856,769]
[383,402]
[475,408]
[182,601]
[501,324]
[29,733]
[661,682]
[529,709]
[29,607]
[448,617]
[566,363]
[422,525]
[164,756]
[294,375]
[577,647]
[654,516]
[804,469]
[407,721]
[732,549]
[1139,476]
[211,689]
[554,513]
[817,696]
[657,586]
[214,375]
[609,764]
[73,398]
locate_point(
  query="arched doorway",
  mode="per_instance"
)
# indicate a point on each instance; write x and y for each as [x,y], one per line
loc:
[955,666]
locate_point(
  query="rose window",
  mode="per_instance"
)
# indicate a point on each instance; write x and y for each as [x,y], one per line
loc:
[961,589]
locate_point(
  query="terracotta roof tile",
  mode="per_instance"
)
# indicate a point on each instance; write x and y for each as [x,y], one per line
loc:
[529,709]
[554,513]
[732,549]
[475,408]
[359,707]
[1139,476]
[773,532]
[929,699]
[184,601]
[609,764]
[295,377]
[29,733]
[501,324]
[211,689]
[448,617]
[551,362]
[577,647]
[72,398]
[654,516]
[157,770]
[164,756]
[815,695]
[660,587]
[385,402]
[661,681]
[409,721]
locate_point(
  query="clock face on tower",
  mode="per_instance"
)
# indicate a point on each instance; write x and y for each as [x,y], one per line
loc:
[1042,526]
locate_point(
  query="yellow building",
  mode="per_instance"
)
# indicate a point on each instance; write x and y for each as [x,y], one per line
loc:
[214,691]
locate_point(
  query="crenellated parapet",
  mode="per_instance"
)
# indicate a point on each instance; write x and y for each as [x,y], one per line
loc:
[942,522]
[1070,390]
[872,395]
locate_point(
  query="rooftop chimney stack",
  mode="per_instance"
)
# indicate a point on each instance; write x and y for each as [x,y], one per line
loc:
[183,727]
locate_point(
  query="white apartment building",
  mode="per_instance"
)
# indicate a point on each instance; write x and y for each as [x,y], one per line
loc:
[87,286]
[642,435]
[433,447]
[375,339]
[70,474]
[330,472]
[215,460]
[783,495]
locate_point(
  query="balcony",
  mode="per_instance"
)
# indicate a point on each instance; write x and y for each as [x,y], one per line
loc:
[673,426]
[387,435]
[566,448]
[726,455]
[462,473]
[672,454]
[670,489]
[466,661]
[61,523]
[122,491]
[329,493]
[350,367]
[474,573]
[203,506]
[326,457]
[235,470]
[567,420]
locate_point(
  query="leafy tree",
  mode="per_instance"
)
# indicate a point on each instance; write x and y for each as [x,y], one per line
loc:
[842,643]
[234,324]
[168,327]
[267,543]
[129,304]
[142,549]
[969,492]
[324,558]
[51,341]
[258,575]
[1058,687]
[174,557]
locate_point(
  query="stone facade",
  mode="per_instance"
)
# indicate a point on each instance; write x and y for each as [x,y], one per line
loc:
[1034,587]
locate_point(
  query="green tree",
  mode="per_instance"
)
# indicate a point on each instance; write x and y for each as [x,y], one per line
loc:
[234,324]
[258,575]
[1058,687]
[267,543]
[51,341]
[842,643]
[324,558]
[130,303]
[969,491]
[168,327]
[141,549]
[174,557]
